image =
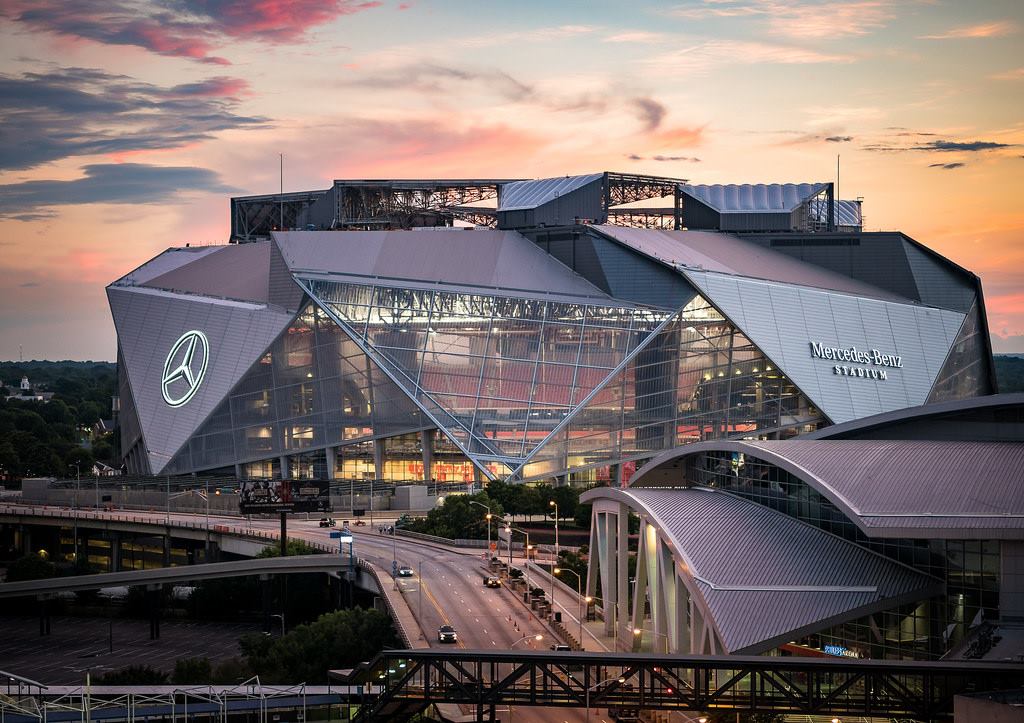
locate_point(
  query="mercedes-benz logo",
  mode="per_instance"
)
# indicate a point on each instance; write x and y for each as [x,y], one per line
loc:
[185,368]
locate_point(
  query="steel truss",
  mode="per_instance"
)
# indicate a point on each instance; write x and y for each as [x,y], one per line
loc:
[254,217]
[38,702]
[411,680]
[405,204]
[623,188]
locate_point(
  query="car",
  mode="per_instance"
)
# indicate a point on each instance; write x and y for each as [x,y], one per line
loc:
[405,571]
[558,648]
[447,634]
[492,581]
[360,523]
[327,522]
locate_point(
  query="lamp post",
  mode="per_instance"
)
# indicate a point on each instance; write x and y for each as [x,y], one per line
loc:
[538,637]
[486,507]
[78,481]
[618,679]
[552,503]
[510,529]
[579,594]
[275,615]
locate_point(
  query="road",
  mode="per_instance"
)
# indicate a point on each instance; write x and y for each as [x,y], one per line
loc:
[450,591]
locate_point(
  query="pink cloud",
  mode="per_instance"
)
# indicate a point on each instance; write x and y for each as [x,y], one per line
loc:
[182,28]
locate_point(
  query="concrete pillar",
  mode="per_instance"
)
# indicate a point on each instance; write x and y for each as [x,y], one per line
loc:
[378,458]
[427,442]
[331,454]
[616,475]
[622,567]
[26,541]
[115,551]
[283,463]
[238,471]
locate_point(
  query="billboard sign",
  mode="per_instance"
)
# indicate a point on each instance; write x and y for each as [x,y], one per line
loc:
[256,496]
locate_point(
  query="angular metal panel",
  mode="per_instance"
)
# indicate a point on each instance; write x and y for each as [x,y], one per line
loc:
[919,336]
[149,322]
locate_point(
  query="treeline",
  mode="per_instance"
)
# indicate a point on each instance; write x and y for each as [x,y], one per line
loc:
[1010,373]
[44,439]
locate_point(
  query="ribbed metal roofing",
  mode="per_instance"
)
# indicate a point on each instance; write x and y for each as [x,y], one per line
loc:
[726,253]
[485,259]
[747,197]
[847,213]
[920,485]
[767,577]
[530,194]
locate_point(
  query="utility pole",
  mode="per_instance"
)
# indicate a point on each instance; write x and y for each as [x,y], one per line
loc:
[281,197]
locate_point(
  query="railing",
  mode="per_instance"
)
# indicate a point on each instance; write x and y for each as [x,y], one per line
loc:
[416,679]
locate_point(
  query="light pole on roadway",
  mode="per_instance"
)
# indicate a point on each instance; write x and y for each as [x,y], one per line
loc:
[618,679]
[552,503]
[486,507]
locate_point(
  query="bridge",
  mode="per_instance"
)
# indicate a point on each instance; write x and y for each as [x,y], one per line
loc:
[408,681]
[292,565]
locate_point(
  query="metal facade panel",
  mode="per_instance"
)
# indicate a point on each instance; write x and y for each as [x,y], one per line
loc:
[919,336]
[941,483]
[765,574]
[484,259]
[728,253]
[237,271]
[522,195]
[148,324]
[940,283]
[165,262]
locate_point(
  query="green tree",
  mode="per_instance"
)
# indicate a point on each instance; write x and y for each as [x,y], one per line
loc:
[192,671]
[458,518]
[132,675]
[336,640]
[31,567]
[82,457]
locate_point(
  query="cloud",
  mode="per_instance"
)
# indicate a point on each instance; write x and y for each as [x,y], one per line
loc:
[635,36]
[794,19]
[29,285]
[947,166]
[1015,74]
[661,158]
[982,30]
[838,139]
[181,28]
[69,112]
[711,54]
[952,146]
[533,35]
[650,111]
[109,183]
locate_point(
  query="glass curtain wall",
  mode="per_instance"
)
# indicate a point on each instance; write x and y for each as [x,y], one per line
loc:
[965,372]
[498,372]
[699,378]
[314,387]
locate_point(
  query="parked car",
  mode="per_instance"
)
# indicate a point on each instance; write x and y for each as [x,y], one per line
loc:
[558,648]
[327,522]
[360,523]
[447,634]
[405,571]
[492,581]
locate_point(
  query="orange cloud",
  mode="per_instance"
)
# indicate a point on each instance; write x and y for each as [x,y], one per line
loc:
[983,30]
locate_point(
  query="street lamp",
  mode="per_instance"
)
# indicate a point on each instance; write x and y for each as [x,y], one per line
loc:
[620,680]
[275,615]
[552,503]
[579,594]
[486,507]
[538,637]
[510,529]
[78,481]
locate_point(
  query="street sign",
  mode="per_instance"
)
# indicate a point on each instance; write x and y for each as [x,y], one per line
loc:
[335,534]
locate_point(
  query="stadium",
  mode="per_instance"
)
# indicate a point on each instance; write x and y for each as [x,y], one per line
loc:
[578,327]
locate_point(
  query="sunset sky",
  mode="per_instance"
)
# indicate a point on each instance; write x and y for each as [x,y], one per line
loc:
[125,126]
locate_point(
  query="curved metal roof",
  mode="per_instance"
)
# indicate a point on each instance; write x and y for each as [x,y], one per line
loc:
[530,194]
[767,577]
[891,488]
[747,197]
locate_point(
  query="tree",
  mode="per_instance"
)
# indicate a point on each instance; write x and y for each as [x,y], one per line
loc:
[192,671]
[31,567]
[82,457]
[336,640]
[458,518]
[132,675]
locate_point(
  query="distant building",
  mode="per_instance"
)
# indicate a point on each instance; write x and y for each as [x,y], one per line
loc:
[27,393]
